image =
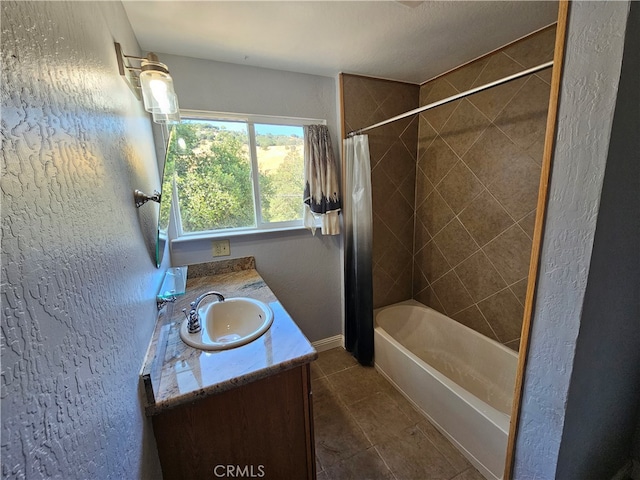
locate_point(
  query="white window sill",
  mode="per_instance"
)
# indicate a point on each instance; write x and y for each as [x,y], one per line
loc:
[238,233]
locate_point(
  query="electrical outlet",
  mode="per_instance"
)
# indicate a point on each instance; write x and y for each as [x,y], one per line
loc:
[221,248]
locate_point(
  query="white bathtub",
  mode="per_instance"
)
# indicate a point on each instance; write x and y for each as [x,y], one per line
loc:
[460,380]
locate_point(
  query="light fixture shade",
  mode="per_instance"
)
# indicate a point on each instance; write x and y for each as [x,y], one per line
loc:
[157,88]
[167,118]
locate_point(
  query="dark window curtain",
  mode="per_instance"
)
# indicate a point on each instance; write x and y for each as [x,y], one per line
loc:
[321,189]
[358,250]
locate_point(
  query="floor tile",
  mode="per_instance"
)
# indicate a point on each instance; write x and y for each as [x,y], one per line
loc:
[366,429]
[356,383]
[337,436]
[325,399]
[335,360]
[379,417]
[322,476]
[444,446]
[366,465]
[412,456]
[469,474]
[316,371]
[403,404]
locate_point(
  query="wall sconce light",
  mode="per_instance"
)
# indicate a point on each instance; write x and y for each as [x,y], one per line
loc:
[141,198]
[151,83]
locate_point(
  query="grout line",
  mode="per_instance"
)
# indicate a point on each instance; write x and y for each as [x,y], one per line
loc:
[385,462]
[452,111]
[507,104]
[495,335]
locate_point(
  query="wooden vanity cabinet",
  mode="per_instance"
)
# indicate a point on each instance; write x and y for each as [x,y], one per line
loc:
[263,429]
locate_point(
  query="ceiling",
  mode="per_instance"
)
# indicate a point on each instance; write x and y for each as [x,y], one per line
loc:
[405,41]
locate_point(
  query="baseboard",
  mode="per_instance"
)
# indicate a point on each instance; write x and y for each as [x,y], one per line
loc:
[328,343]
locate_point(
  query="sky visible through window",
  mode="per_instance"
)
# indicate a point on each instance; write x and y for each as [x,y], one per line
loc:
[261,129]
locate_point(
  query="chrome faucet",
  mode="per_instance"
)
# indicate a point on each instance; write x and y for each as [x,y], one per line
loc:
[193,324]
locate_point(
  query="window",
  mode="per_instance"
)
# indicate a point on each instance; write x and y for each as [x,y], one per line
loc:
[237,172]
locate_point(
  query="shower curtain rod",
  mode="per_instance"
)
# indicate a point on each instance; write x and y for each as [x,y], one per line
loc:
[454,97]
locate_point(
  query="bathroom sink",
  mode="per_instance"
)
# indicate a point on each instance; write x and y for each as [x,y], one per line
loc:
[229,324]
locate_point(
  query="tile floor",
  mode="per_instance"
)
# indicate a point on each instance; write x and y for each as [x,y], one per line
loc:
[366,430]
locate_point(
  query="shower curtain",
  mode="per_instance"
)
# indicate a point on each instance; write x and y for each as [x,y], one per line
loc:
[358,221]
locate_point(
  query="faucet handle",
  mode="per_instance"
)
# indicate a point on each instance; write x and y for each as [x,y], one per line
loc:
[193,321]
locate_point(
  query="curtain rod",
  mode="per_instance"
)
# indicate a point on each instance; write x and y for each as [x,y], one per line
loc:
[515,76]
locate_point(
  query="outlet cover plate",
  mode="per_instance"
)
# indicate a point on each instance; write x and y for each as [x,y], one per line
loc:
[221,248]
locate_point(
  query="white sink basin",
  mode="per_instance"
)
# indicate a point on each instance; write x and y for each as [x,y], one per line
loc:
[229,324]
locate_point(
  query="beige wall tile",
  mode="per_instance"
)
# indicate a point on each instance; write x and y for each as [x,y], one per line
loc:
[516,186]
[510,253]
[459,187]
[431,262]
[381,285]
[451,293]
[504,314]
[395,259]
[491,154]
[492,101]
[423,187]
[464,127]
[455,243]
[435,213]
[383,187]
[485,218]
[464,78]
[513,345]
[479,276]
[422,236]
[524,118]
[399,163]
[396,212]
[473,318]
[408,188]
[409,135]
[449,181]
[439,90]
[402,289]
[405,234]
[393,151]
[528,222]
[437,160]
[378,146]
[519,289]
[420,281]
[428,297]
[534,50]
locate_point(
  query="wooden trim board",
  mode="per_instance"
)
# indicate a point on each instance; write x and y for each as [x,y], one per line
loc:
[549,144]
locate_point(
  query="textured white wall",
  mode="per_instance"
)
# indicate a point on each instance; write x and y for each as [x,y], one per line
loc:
[587,99]
[606,372]
[303,271]
[78,278]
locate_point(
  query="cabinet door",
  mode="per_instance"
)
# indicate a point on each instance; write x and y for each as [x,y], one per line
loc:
[260,430]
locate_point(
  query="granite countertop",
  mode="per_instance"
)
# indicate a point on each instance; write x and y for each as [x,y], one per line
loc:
[175,373]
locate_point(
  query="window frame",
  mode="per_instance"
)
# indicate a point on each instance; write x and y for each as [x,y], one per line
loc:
[260,227]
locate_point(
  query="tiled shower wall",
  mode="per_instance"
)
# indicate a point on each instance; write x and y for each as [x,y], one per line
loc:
[455,189]
[477,186]
[393,177]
